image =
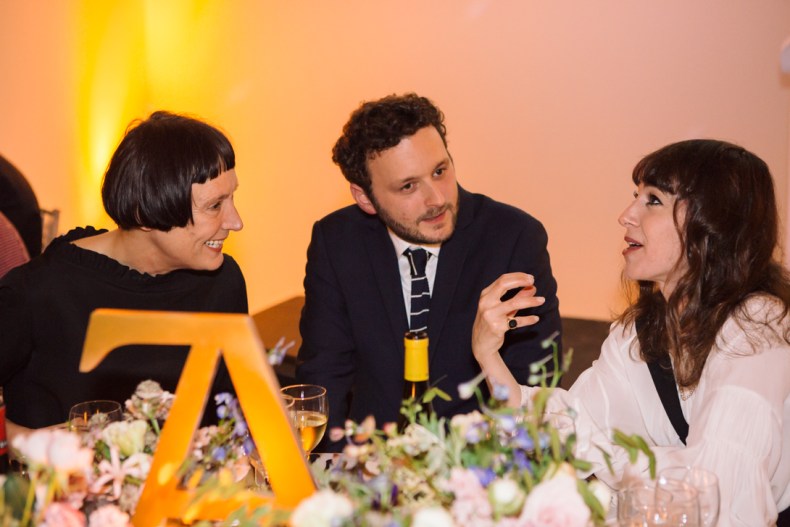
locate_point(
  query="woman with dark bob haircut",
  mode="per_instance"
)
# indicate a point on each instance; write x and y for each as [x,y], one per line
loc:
[699,364]
[169,188]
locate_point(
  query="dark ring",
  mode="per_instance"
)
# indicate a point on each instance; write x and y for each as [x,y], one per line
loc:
[512,323]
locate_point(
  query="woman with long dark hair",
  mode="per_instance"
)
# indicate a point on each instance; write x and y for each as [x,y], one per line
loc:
[699,363]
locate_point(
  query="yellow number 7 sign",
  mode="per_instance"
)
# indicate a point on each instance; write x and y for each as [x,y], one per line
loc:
[233,336]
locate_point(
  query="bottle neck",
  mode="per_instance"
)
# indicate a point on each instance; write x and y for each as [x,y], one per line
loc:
[416,357]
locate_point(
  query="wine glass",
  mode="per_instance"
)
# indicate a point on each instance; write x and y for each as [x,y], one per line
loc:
[311,413]
[706,484]
[684,509]
[641,504]
[645,504]
[94,414]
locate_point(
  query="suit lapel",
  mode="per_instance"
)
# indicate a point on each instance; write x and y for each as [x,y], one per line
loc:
[451,263]
[384,262]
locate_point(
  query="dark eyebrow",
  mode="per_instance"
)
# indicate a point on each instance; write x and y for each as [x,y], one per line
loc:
[221,197]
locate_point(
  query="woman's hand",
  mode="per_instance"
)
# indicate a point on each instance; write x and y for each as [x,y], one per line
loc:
[494,315]
[494,318]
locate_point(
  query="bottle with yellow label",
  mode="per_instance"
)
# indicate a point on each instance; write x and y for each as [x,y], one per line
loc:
[415,372]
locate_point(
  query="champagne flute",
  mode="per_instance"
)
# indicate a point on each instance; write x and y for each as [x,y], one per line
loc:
[94,414]
[311,413]
[706,484]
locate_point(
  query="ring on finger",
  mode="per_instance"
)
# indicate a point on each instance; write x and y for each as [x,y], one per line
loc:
[512,323]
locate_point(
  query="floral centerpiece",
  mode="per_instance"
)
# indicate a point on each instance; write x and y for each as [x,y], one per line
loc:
[495,467]
[95,479]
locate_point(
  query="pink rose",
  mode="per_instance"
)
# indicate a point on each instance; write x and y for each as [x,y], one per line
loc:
[556,503]
[62,515]
[108,516]
[66,454]
[471,507]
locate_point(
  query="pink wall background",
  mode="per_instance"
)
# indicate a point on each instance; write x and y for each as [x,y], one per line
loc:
[549,104]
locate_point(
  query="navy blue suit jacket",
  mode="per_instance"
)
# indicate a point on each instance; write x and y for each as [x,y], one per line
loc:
[354,317]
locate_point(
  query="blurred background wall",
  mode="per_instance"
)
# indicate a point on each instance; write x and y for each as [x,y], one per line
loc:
[548,104]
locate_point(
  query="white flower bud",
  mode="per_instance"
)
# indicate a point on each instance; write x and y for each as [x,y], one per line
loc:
[506,496]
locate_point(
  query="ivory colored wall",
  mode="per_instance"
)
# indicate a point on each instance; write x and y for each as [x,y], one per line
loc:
[549,104]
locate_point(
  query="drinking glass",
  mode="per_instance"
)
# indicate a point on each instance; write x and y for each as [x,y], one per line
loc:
[311,412]
[94,414]
[639,505]
[706,484]
[647,505]
[684,509]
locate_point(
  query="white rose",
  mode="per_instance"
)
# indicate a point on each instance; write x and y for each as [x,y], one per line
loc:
[602,493]
[566,468]
[128,436]
[506,496]
[322,509]
[556,502]
[432,517]
[34,446]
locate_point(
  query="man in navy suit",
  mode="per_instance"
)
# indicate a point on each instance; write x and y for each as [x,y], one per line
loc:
[487,261]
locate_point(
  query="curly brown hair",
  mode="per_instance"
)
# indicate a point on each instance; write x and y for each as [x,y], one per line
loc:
[378,125]
[730,239]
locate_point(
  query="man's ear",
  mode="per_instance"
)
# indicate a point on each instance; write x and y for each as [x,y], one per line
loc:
[362,199]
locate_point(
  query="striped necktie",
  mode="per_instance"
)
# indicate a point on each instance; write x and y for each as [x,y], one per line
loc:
[420,291]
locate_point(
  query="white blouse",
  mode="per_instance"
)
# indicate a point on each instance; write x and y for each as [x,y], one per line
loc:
[738,415]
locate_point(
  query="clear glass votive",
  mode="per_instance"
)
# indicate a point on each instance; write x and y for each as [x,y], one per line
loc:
[94,414]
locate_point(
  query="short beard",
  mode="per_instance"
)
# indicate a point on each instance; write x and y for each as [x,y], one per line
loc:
[413,235]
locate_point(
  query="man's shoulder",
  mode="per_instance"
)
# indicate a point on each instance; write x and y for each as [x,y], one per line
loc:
[486,210]
[347,221]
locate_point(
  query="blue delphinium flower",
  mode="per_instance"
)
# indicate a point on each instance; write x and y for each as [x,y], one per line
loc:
[501,392]
[506,423]
[240,428]
[476,433]
[219,453]
[248,445]
[523,440]
[223,400]
[484,475]
[521,460]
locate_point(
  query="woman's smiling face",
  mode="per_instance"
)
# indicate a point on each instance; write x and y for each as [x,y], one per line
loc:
[199,244]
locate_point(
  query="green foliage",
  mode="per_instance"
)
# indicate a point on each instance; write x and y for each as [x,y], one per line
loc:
[14,491]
